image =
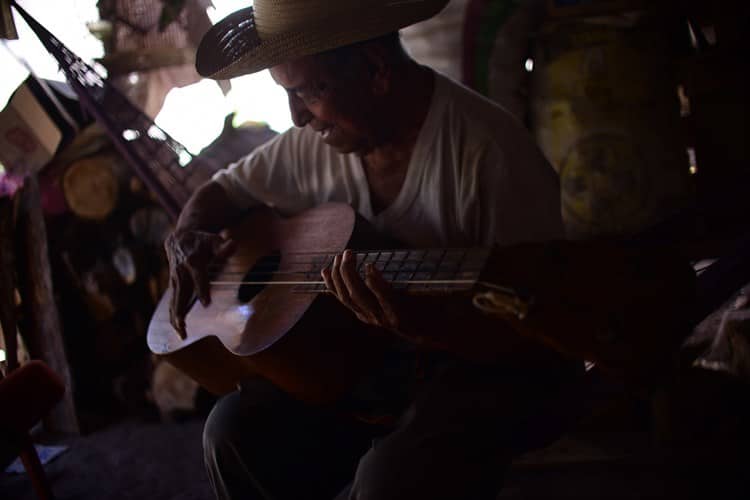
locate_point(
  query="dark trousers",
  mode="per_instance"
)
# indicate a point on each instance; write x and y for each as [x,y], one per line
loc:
[455,440]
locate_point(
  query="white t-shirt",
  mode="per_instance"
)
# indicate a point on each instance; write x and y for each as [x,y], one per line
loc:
[475,177]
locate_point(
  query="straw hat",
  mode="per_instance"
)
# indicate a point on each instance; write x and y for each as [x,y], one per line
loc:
[275,31]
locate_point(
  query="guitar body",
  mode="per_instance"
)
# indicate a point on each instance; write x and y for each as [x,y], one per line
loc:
[307,344]
[626,308]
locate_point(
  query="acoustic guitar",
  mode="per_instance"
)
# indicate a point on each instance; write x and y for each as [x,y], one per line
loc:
[603,302]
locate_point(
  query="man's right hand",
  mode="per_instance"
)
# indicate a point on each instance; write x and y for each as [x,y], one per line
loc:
[189,254]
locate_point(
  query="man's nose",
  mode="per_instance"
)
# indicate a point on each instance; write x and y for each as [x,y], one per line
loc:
[301,116]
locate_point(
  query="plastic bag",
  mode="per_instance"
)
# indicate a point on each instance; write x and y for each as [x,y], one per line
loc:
[730,350]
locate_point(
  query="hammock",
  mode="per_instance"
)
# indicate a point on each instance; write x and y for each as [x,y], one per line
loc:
[162,163]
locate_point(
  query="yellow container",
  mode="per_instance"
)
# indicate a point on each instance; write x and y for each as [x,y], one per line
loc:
[604,110]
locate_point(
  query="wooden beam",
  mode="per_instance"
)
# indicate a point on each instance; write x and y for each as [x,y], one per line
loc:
[40,323]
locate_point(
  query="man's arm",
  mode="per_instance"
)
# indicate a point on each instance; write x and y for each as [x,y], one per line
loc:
[208,209]
[194,244]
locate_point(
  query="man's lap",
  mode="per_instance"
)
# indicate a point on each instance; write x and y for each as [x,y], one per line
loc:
[456,435]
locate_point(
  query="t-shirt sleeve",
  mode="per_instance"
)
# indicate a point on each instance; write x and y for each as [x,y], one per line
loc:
[268,176]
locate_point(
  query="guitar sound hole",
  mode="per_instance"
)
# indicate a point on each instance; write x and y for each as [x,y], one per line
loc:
[263,271]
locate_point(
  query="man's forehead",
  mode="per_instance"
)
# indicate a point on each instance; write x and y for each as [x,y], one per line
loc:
[298,73]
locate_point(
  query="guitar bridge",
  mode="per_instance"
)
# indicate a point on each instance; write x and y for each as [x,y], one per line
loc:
[503,301]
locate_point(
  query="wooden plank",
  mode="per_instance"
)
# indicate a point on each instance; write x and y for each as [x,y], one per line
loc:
[40,322]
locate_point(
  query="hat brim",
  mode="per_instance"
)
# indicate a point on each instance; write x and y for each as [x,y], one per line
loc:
[232,47]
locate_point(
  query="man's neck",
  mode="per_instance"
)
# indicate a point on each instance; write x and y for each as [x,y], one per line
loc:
[386,166]
[405,112]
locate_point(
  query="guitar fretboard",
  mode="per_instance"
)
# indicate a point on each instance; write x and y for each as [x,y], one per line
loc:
[450,269]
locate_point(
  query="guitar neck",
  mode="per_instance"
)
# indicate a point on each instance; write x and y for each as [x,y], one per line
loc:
[446,269]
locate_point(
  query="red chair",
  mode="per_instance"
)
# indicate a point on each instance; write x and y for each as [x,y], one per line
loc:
[27,394]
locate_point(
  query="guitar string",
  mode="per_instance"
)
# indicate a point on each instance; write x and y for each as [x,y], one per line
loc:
[434,274]
[318,265]
[486,284]
[444,272]
[402,263]
[477,250]
[316,269]
[377,255]
[413,262]
[311,271]
[395,282]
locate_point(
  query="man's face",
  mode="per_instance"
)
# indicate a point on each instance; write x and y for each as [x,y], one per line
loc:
[338,108]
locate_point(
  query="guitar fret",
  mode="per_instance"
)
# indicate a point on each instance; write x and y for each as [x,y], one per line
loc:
[459,263]
[401,274]
[413,270]
[393,265]
[362,260]
[436,273]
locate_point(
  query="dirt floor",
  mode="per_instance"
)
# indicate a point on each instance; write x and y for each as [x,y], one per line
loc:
[688,441]
[137,459]
[130,460]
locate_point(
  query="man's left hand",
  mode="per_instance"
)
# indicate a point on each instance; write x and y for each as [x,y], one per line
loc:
[430,321]
[372,300]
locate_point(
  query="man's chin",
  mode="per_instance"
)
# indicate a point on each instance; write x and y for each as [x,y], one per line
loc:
[344,145]
[344,148]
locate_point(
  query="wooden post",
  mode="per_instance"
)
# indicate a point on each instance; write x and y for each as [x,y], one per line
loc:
[35,471]
[7,26]
[8,319]
[40,322]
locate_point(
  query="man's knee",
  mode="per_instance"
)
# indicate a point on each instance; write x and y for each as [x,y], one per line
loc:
[247,414]
[396,469]
[379,475]
[220,426]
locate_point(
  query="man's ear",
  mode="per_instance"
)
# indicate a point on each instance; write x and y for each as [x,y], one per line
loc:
[379,71]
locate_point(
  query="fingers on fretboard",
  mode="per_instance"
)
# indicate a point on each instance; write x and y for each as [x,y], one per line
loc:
[416,270]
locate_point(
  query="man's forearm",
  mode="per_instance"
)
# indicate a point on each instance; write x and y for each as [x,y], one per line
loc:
[209,209]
